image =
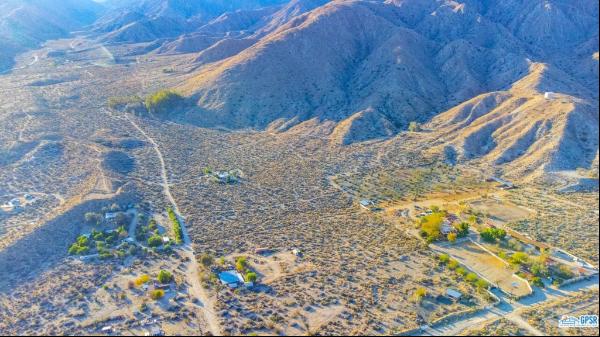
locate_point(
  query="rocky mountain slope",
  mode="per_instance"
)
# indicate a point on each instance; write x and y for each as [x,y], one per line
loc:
[372,67]
[523,127]
[474,72]
[148,20]
[407,60]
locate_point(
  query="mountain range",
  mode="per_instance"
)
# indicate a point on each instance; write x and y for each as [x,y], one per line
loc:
[511,82]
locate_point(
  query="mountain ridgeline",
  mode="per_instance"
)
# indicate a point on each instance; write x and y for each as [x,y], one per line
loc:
[509,82]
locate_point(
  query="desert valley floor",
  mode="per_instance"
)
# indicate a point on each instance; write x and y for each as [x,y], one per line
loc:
[328,228]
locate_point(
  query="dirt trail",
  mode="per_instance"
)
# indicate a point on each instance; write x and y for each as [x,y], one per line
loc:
[196,288]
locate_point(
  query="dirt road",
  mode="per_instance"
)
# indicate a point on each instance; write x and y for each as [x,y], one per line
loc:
[196,289]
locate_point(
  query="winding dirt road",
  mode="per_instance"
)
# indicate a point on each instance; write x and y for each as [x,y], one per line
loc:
[196,289]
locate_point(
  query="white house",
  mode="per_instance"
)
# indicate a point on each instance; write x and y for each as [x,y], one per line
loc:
[110,215]
[550,95]
[366,203]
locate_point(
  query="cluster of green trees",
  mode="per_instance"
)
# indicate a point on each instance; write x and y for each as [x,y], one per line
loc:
[162,101]
[119,102]
[177,227]
[241,264]
[81,246]
[538,267]
[142,231]
[470,277]
[155,241]
[493,234]
[431,226]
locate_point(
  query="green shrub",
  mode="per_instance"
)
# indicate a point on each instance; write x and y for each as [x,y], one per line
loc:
[462,229]
[251,277]
[162,101]
[444,258]
[414,127]
[157,294]
[241,264]
[461,271]
[481,284]
[536,281]
[164,277]
[419,294]
[177,227]
[155,241]
[81,246]
[519,258]
[493,234]
[206,260]
[471,278]
[119,102]
[453,264]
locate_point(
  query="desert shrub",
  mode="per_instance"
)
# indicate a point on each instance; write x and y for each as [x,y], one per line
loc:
[482,284]
[563,272]
[444,258]
[453,264]
[93,218]
[462,229]
[119,102]
[206,260]
[157,294]
[164,277]
[419,294]
[414,127]
[162,101]
[461,271]
[241,264]
[452,237]
[539,269]
[142,279]
[519,258]
[251,277]
[471,278]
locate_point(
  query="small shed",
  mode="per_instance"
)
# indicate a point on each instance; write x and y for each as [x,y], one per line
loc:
[453,294]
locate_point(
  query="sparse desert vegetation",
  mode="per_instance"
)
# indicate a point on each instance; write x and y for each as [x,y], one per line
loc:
[298,168]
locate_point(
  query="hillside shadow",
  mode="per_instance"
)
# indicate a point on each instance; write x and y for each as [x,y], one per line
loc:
[47,245]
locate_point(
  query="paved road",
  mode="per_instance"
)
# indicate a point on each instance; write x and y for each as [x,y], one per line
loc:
[511,310]
[196,288]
